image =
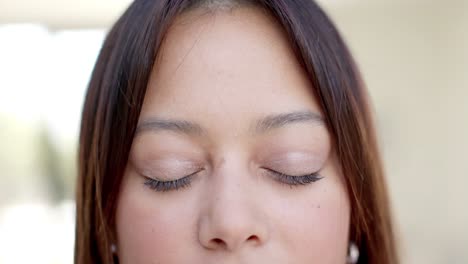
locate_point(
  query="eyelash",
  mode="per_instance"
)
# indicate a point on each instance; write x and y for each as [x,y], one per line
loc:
[164,186]
[294,180]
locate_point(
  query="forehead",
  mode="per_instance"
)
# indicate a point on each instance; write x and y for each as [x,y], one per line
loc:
[232,64]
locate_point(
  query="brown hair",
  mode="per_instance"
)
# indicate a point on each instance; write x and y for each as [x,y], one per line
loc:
[117,89]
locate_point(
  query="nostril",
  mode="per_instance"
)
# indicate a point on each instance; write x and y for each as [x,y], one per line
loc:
[219,242]
[253,238]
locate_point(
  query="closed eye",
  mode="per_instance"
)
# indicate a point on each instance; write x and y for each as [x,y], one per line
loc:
[164,186]
[291,180]
[294,180]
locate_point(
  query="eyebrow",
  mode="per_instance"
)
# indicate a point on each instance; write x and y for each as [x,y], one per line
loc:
[271,122]
[262,125]
[178,126]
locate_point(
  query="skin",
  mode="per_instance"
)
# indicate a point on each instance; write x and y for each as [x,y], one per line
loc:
[220,73]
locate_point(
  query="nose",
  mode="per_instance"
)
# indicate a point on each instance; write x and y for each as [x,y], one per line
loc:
[232,217]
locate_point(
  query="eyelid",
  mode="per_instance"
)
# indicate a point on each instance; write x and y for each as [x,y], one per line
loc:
[295,157]
[170,180]
[164,186]
[294,180]
[166,169]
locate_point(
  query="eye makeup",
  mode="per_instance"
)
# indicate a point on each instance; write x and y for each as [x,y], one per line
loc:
[293,168]
[166,174]
[292,180]
[165,171]
[164,186]
[298,174]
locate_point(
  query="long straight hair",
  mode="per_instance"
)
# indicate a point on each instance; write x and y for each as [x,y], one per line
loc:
[117,89]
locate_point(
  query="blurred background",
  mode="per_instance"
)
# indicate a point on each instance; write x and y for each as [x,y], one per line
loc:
[414,58]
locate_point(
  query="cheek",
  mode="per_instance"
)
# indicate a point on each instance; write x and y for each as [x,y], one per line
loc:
[149,230]
[316,225]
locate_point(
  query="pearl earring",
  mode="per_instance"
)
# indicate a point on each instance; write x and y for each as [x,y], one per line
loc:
[353,253]
[113,248]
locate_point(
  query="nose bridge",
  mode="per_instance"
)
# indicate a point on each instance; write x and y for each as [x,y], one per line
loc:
[231,218]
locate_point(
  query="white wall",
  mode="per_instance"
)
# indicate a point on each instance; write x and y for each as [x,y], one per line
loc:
[415,60]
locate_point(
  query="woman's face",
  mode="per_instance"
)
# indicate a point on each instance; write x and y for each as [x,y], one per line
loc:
[232,161]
